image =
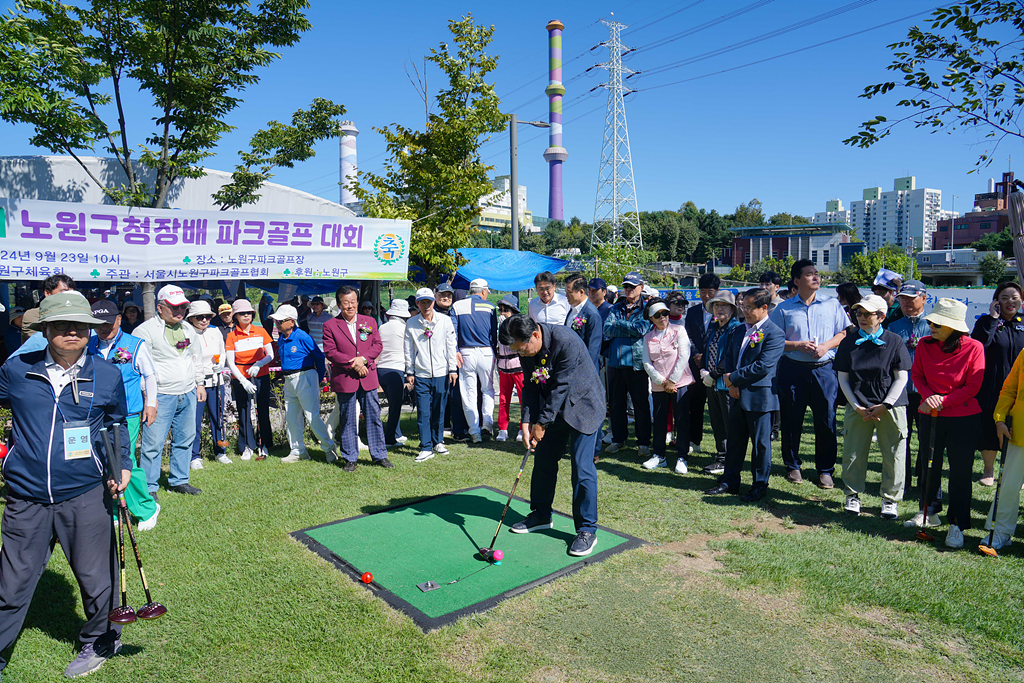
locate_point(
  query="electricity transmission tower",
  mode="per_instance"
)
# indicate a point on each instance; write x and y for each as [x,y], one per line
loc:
[616,217]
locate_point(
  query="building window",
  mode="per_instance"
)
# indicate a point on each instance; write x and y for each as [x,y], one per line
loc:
[986,226]
[824,259]
[943,228]
[926,259]
[961,226]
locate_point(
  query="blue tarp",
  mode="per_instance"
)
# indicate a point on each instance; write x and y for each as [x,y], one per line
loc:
[505,270]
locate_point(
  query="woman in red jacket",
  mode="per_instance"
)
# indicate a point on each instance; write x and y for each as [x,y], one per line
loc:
[948,370]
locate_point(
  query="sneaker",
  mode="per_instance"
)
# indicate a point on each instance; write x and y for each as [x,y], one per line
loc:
[999,540]
[263,453]
[695,448]
[90,659]
[223,459]
[401,440]
[889,509]
[332,455]
[349,466]
[424,455]
[441,450]
[383,462]
[502,435]
[919,521]
[185,488]
[643,451]
[607,439]
[583,545]
[461,438]
[681,466]
[363,446]
[954,537]
[519,437]
[247,454]
[613,447]
[532,523]
[654,463]
[852,505]
[196,464]
[488,430]
[716,466]
[150,523]
[448,432]
[669,440]
[294,456]
[476,438]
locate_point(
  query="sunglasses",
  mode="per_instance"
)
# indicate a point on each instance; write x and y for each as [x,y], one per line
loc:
[628,286]
[203,317]
[178,307]
[659,314]
[865,314]
[934,325]
[65,325]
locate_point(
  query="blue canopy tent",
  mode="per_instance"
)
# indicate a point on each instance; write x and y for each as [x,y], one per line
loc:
[505,270]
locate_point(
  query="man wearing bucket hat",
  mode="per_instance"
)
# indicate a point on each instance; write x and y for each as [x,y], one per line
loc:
[177,357]
[724,321]
[211,345]
[391,368]
[131,356]
[301,385]
[60,484]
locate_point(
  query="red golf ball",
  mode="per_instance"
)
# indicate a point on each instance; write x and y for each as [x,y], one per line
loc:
[367,577]
[3,450]
[498,555]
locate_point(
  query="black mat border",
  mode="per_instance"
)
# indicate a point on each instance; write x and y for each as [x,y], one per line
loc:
[427,623]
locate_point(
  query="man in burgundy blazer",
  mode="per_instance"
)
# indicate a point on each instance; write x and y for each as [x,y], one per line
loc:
[352,344]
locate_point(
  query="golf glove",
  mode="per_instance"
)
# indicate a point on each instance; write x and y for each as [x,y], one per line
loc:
[706,378]
[254,370]
[249,387]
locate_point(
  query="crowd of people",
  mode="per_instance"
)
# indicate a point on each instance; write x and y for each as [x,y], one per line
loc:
[588,364]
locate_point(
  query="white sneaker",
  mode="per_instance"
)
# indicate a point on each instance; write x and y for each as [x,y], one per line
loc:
[668,437]
[919,522]
[447,433]
[999,540]
[889,509]
[401,439]
[607,438]
[476,438]
[332,455]
[247,454]
[196,464]
[695,448]
[681,466]
[363,446]
[223,459]
[852,505]
[293,457]
[424,456]
[440,449]
[613,447]
[502,435]
[151,522]
[264,452]
[954,537]
[519,436]
[654,463]
[643,451]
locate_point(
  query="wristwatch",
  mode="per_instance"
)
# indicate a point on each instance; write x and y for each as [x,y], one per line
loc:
[888,406]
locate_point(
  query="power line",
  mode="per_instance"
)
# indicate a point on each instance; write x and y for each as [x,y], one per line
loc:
[791,52]
[706,25]
[667,16]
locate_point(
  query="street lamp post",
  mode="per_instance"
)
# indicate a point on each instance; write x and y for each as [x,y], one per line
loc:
[514,173]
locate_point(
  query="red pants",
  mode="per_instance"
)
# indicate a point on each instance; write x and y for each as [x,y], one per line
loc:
[505,384]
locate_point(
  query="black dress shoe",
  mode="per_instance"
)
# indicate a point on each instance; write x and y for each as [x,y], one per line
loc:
[349,466]
[185,488]
[755,494]
[383,462]
[720,489]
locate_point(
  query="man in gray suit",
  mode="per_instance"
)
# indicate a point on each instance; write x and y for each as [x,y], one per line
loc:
[563,401]
[750,362]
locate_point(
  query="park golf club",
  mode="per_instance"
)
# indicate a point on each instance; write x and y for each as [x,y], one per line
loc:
[923,535]
[986,548]
[223,443]
[123,614]
[489,552]
[151,610]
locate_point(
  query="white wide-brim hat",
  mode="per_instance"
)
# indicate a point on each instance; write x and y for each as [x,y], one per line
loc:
[949,313]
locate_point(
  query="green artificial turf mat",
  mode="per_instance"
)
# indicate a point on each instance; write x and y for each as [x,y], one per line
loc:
[436,539]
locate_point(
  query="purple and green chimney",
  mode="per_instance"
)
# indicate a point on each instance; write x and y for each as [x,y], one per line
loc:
[555,154]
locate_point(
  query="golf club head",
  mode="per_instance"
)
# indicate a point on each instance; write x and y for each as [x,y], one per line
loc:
[122,615]
[222,444]
[152,610]
[924,536]
[987,551]
[486,553]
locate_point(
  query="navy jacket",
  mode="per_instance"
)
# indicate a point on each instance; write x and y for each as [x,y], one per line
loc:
[697,331]
[573,391]
[35,467]
[592,332]
[752,368]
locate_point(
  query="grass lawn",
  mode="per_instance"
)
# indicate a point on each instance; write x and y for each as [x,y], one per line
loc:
[791,590]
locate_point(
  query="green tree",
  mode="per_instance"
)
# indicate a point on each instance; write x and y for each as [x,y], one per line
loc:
[996,241]
[966,72]
[993,268]
[661,232]
[739,274]
[750,215]
[781,266]
[64,68]
[784,218]
[572,235]
[616,261]
[438,174]
[862,268]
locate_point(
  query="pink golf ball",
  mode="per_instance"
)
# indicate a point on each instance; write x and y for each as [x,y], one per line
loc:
[498,555]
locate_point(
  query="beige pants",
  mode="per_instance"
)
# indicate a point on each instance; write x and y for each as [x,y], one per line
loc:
[1009,492]
[892,435]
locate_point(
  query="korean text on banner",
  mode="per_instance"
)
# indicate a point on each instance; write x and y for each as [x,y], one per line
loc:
[131,244]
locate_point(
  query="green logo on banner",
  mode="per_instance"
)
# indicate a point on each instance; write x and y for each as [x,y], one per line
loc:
[388,248]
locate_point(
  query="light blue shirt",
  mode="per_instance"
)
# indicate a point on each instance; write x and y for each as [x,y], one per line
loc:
[37,342]
[822,320]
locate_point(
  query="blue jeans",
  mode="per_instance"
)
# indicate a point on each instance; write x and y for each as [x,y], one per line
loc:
[175,414]
[431,397]
[393,383]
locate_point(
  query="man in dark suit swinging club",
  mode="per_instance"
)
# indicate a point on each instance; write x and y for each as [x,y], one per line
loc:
[563,402]
[751,361]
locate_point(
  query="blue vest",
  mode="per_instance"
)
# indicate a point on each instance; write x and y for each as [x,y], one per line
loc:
[129,371]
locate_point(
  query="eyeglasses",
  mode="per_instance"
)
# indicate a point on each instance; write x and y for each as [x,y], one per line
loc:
[659,314]
[64,325]
[626,285]
[203,317]
[864,314]
[178,307]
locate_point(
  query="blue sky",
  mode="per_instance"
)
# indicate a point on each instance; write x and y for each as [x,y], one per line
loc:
[771,131]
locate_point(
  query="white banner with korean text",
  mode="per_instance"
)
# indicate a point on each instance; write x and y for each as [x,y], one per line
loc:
[131,244]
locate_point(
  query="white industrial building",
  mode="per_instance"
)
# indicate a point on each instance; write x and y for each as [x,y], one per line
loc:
[62,179]
[496,207]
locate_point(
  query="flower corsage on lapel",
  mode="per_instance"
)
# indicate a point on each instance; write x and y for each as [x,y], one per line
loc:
[121,356]
[542,373]
[428,330]
[578,322]
[364,332]
[183,344]
[755,338]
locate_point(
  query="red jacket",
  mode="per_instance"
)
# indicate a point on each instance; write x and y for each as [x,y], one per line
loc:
[957,376]
[340,350]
